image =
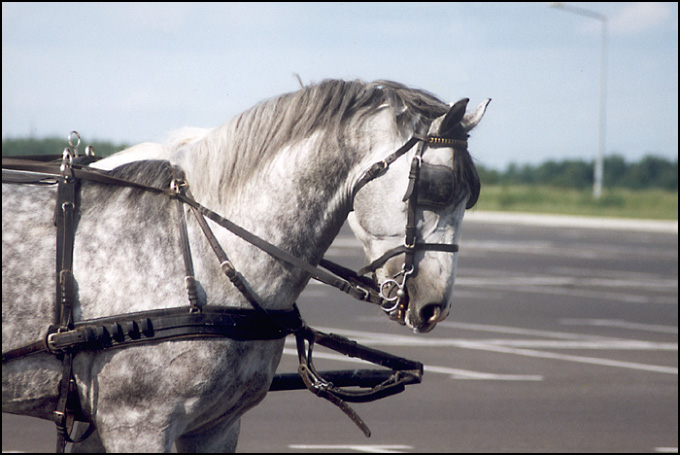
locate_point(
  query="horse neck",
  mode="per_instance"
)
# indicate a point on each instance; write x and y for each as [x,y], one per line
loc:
[298,199]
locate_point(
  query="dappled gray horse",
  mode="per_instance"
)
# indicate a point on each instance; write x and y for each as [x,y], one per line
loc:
[290,170]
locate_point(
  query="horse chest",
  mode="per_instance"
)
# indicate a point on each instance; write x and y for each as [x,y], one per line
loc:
[193,382]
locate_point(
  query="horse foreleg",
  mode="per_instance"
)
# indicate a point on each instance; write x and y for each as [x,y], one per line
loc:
[132,431]
[216,439]
[221,437]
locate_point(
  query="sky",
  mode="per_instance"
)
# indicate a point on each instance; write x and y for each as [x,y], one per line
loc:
[130,73]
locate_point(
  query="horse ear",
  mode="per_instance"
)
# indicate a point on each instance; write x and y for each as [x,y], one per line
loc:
[453,117]
[471,119]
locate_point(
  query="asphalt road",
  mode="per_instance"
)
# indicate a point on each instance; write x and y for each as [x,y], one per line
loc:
[562,339]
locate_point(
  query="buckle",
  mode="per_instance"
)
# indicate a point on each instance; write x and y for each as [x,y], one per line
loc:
[178,185]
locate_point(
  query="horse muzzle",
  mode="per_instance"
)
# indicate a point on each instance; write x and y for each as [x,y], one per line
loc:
[425,318]
[401,308]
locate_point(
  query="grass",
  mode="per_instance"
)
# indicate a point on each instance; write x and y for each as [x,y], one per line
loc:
[620,203]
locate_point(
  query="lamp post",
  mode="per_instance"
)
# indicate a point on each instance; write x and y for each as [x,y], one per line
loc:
[599,161]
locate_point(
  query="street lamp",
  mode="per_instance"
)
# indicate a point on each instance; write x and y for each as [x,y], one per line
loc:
[599,161]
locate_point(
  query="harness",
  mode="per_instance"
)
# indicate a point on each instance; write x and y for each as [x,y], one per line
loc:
[68,337]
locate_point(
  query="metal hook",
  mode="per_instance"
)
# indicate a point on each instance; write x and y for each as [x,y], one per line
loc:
[66,163]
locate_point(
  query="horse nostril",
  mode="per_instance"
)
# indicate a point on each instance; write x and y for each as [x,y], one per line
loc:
[430,312]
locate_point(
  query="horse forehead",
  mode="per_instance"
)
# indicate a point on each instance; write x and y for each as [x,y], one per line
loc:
[439,156]
[434,126]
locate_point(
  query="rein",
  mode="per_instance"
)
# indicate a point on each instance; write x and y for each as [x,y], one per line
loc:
[358,287]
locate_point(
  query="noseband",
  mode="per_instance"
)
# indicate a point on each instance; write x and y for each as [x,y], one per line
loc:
[411,245]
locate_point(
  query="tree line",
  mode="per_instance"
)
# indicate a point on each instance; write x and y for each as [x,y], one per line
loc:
[54,146]
[649,172]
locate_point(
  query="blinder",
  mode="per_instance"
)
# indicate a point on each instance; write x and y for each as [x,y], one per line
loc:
[437,187]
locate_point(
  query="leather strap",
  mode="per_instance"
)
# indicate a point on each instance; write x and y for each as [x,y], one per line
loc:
[403,372]
[152,326]
[378,168]
[316,273]
[179,185]
[68,404]
[401,249]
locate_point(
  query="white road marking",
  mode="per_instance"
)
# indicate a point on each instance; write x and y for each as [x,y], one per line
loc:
[457,373]
[518,347]
[575,292]
[570,221]
[562,280]
[576,358]
[363,448]
[518,331]
[573,341]
[620,324]
[454,373]
[567,286]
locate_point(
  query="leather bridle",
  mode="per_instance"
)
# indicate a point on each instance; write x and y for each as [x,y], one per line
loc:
[393,291]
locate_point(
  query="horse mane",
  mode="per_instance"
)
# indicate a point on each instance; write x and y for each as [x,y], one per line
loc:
[254,137]
[229,155]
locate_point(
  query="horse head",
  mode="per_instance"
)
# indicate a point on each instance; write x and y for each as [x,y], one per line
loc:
[408,218]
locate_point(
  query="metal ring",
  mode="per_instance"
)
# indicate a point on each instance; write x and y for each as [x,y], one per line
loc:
[70,138]
[391,283]
[70,141]
[392,308]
